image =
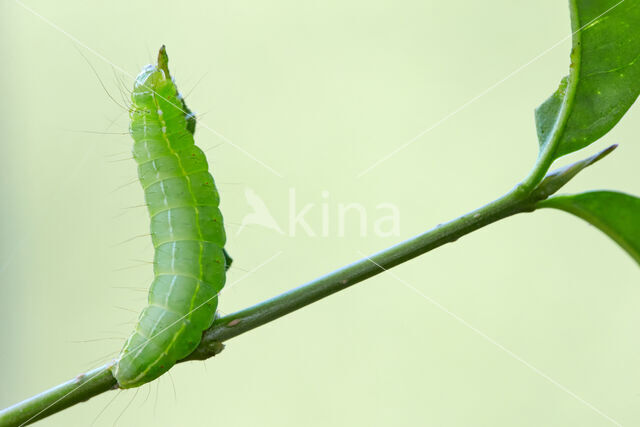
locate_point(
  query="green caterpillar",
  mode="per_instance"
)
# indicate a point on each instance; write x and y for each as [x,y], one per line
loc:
[187,230]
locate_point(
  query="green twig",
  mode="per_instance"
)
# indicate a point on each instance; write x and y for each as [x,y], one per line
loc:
[81,388]
[101,380]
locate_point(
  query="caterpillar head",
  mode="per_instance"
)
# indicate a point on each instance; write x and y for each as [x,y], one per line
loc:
[153,78]
[156,79]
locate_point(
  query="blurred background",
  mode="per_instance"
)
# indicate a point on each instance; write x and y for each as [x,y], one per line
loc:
[301,98]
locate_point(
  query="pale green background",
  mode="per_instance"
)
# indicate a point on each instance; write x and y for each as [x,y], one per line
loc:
[319,91]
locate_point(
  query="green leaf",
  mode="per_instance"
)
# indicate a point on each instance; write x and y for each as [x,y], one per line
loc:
[604,79]
[615,214]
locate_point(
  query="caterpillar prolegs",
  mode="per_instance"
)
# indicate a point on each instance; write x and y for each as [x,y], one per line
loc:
[186,229]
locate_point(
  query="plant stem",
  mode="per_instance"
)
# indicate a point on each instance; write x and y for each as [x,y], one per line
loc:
[79,389]
[242,321]
[101,379]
